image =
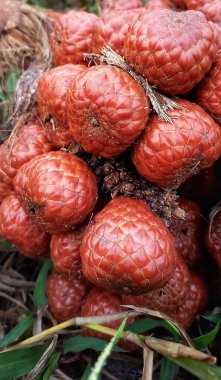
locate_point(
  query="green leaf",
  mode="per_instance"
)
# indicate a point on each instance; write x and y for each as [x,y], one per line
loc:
[17,363]
[215,318]
[167,370]
[50,366]
[17,331]
[100,363]
[81,343]
[200,369]
[86,372]
[146,324]
[204,340]
[40,298]
[11,81]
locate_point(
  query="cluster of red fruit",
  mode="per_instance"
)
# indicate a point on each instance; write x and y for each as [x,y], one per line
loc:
[49,194]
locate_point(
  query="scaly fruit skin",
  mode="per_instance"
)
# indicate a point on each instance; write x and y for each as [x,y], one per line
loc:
[213,238]
[120,5]
[19,228]
[107,110]
[100,302]
[154,5]
[51,98]
[127,249]
[71,37]
[196,300]
[196,4]
[65,297]
[212,11]
[217,31]
[167,298]
[7,173]
[208,93]
[111,30]
[65,252]
[5,190]
[57,189]
[173,50]
[188,232]
[169,153]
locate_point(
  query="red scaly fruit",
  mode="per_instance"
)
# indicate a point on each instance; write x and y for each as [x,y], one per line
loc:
[19,228]
[217,32]
[196,4]
[208,92]
[100,302]
[71,37]
[127,249]
[106,109]
[196,300]
[179,3]
[57,189]
[52,89]
[65,252]
[169,153]
[5,190]
[213,238]
[111,30]
[7,173]
[120,5]
[212,11]
[173,50]
[188,232]
[167,298]
[154,5]
[65,297]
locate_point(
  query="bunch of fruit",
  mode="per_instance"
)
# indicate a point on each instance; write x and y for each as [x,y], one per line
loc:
[95,136]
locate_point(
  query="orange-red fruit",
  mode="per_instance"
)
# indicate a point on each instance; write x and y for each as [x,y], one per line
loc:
[65,297]
[208,93]
[127,249]
[169,153]
[100,302]
[119,5]
[179,3]
[196,4]
[65,252]
[5,190]
[188,232]
[153,5]
[173,50]
[52,88]
[107,110]
[6,171]
[57,189]
[167,298]
[71,37]
[111,30]
[213,238]
[195,301]
[19,228]
[212,11]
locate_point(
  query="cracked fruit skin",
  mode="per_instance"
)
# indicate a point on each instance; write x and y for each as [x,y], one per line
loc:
[71,37]
[107,110]
[17,227]
[167,298]
[208,93]
[127,249]
[51,98]
[100,302]
[213,238]
[173,50]
[188,232]
[65,296]
[169,153]
[57,189]
[65,252]
[120,5]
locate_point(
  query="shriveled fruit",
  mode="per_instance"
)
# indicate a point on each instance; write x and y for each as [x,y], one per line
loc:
[196,4]
[173,50]
[100,302]
[212,11]
[57,189]
[167,298]
[5,190]
[196,299]
[153,5]
[213,238]
[52,88]
[65,297]
[107,110]
[188,232]
[169,153]
[111,30]
[65,252]
[19,228]
[71,37]
[127,249]
[208,93]
[120,5]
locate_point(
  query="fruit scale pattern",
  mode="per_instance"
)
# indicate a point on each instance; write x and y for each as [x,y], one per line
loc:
[96,184]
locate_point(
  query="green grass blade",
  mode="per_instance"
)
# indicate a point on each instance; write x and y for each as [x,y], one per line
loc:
[204,340]
[40,298]
[86,372]
[167,370]
[200,369]
[17,331]
[81,343]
